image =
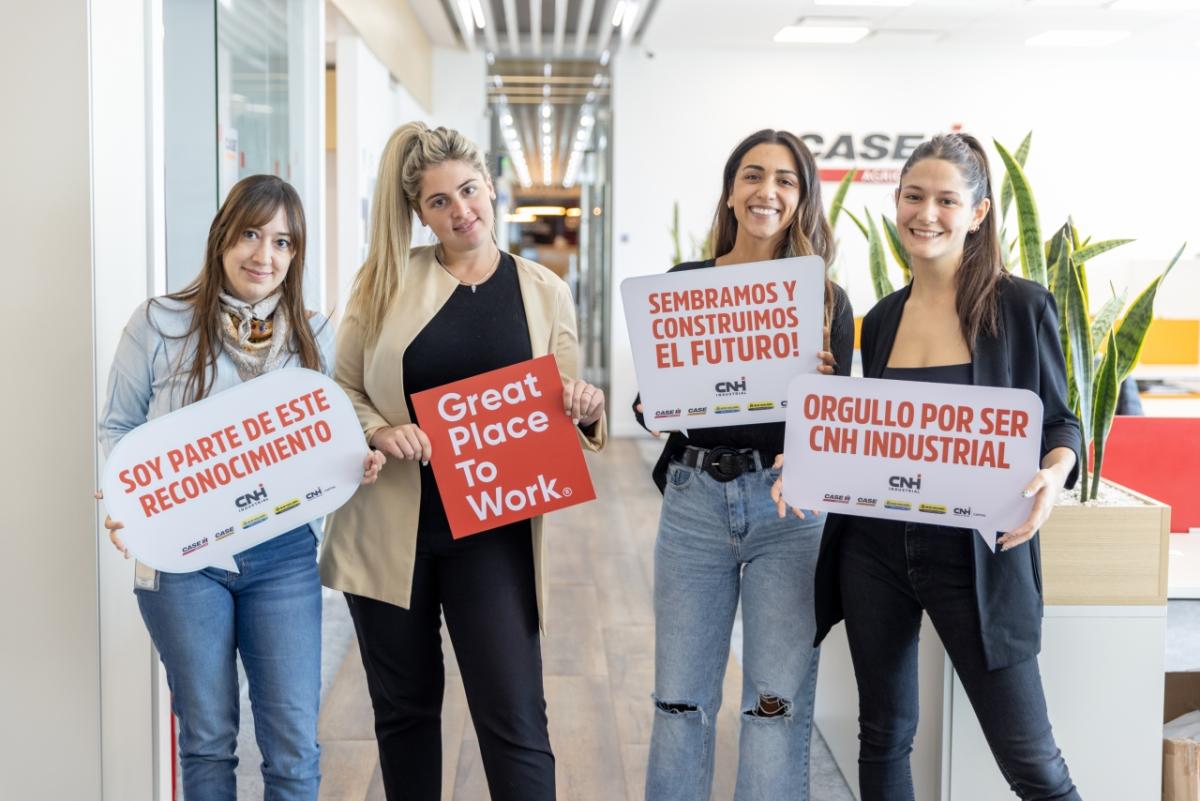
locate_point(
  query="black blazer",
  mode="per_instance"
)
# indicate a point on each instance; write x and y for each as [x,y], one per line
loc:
[1026,354]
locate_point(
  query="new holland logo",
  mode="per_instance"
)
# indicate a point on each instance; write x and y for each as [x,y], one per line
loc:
[758,406]
[933,508]
[831,498]
[283,507]
[695,411]
[898,506]
[250,522]
[223,533]
[726,408]
[663,414]
[195,546]
[867,502]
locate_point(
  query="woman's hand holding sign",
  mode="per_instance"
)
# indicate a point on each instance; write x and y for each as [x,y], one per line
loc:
[371,466]
[582,401]
[113,527]
[825,368]
[1045,488]
[403,441]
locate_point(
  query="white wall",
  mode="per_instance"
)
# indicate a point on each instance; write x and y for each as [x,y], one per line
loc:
[50,693]
[370,106]
[1112,140]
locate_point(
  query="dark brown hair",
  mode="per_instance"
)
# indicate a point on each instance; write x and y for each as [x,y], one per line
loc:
[808,234]
[981,270]
[251,203]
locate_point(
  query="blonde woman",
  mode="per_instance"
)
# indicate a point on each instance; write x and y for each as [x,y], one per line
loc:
[419,318]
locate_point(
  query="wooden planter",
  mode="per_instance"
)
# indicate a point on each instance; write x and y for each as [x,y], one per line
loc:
[1107,555]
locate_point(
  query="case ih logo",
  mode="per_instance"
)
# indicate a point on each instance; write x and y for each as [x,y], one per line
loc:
[663,414]
[905,483]
[252,498]
[830,498]
[726,388]
[882,152]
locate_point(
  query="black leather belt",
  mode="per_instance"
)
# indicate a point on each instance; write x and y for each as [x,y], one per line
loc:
[723,464]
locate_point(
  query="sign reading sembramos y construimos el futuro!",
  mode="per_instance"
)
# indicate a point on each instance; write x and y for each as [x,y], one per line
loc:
[503,448]
[222,475]
[943,454]
[718,346]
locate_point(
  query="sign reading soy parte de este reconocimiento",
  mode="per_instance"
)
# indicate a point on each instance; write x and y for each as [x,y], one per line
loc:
[718,346]
[943,454]
[234,470]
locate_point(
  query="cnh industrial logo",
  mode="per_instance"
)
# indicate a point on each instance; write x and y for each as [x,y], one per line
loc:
[905,483]
[252,498]
[726,388]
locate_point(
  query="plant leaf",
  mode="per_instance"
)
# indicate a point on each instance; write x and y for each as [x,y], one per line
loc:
[896,246]
[1006,190]
[1131,335]
[878,263]
[1104,406]
[1105,319]
[858,222]
[839,197]
[1033,262]
[1084,253]
[1082,362]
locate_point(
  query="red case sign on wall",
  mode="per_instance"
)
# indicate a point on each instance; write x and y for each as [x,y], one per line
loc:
[503,448]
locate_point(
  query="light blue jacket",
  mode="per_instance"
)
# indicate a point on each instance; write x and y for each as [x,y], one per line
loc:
[151,366]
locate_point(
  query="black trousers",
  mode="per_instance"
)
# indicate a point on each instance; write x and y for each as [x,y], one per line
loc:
[485,586]
[890,572]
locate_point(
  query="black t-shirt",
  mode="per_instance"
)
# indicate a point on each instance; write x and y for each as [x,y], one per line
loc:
[766,438]
[477,330]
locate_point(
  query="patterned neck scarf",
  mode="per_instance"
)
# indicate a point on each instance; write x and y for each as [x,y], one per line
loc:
[255,335]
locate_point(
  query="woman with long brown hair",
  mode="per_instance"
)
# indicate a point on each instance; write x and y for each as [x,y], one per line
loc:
[719,540]
[243,316]
[962,320]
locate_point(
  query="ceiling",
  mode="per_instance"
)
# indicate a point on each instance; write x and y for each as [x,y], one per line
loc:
[754,23]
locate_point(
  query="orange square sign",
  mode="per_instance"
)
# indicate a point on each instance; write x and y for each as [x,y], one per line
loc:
[503,448]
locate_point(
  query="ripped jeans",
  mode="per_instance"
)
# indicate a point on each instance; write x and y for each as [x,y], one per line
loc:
[718,541]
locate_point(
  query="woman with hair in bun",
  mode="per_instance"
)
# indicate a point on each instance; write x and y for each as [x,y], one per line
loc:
[242,317]
[962,320]
[419,318]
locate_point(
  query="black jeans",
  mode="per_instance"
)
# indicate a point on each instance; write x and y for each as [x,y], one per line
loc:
[485,587]
[890,572]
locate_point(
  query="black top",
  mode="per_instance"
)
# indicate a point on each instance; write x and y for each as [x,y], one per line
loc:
[477,330]
[937,374]
[1025,353]
[766,438]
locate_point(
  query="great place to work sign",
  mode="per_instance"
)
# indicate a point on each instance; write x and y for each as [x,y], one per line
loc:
[233,470]
[718,346]
[504,449]
[944,454]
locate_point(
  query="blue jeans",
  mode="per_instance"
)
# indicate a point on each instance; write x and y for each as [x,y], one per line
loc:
[718,541]
[270,614]
[890,572]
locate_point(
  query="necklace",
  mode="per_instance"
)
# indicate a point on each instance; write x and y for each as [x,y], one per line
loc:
[437,256]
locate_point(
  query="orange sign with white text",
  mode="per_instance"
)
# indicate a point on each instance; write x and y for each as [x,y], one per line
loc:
[503,448]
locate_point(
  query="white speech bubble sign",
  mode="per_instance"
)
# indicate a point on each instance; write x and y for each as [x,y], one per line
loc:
[234,470]
[718,346]
[980,447]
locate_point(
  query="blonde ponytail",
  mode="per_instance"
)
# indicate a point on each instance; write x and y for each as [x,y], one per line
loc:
[412,149]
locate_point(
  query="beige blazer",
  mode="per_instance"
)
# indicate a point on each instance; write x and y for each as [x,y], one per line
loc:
[371,542]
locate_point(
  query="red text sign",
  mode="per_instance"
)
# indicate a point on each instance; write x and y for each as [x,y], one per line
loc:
[503,448]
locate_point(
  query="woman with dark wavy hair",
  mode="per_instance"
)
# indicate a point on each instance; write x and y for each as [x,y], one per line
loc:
[962,320]
[719,540]
[243,316]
